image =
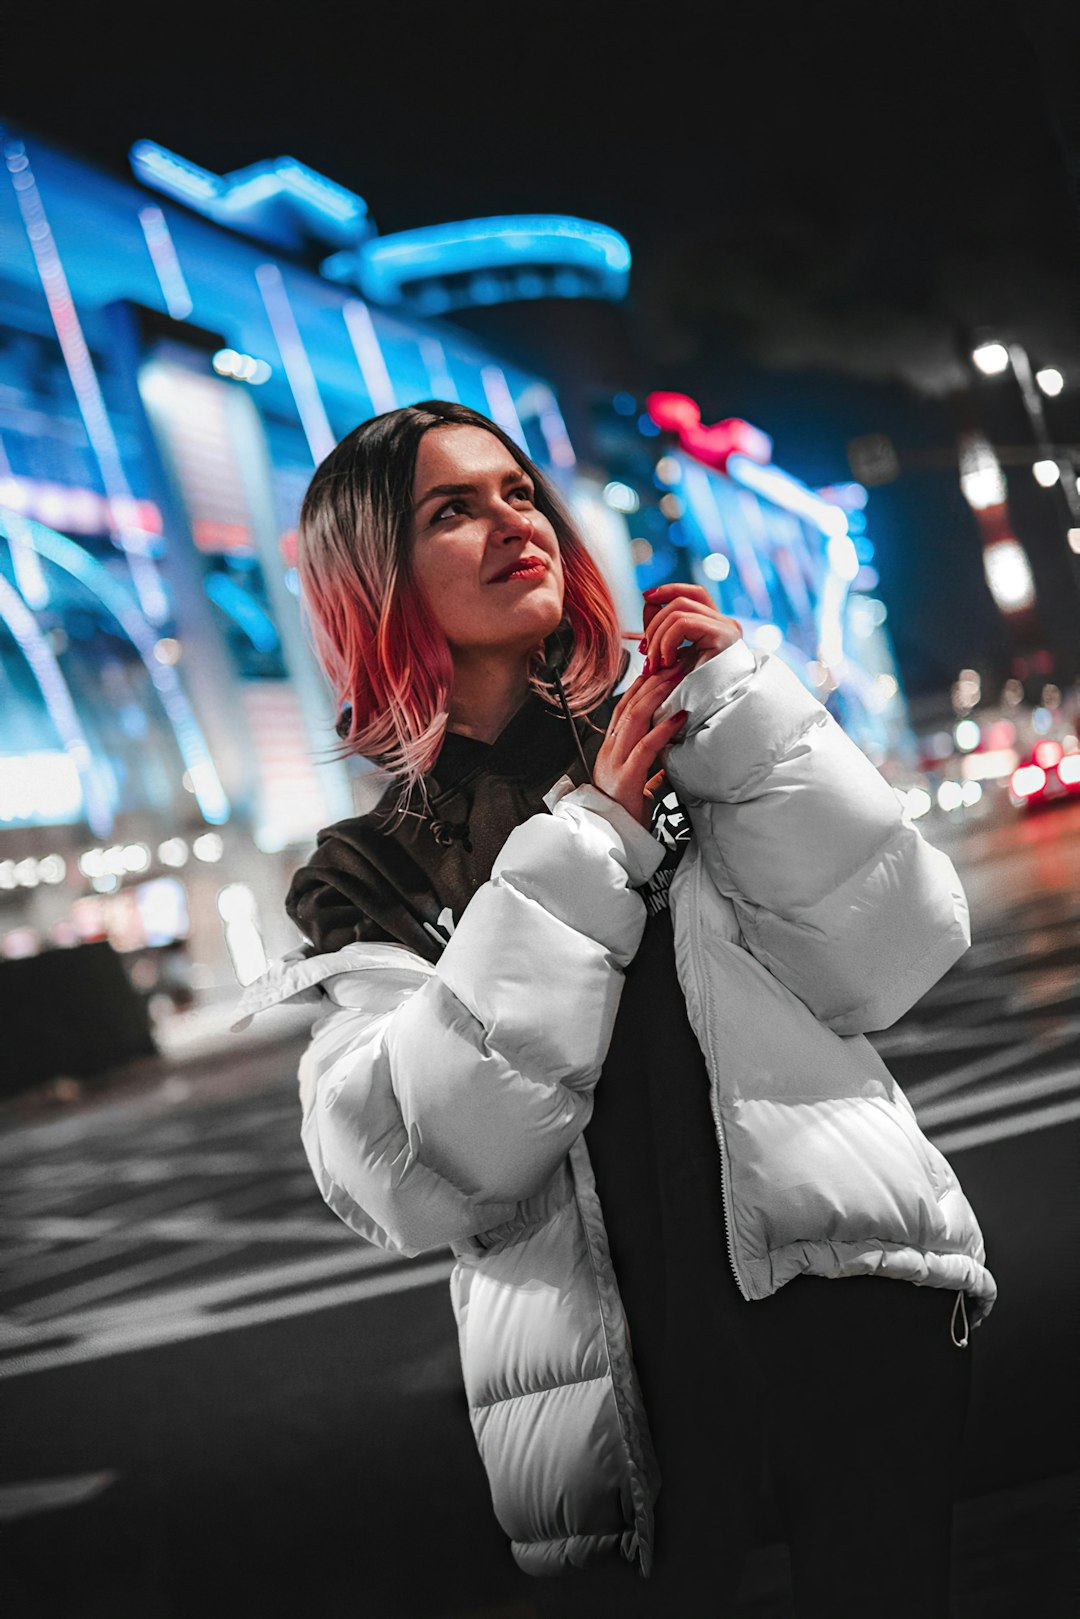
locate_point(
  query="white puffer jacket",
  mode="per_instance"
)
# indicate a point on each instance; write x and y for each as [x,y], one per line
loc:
[444,1104]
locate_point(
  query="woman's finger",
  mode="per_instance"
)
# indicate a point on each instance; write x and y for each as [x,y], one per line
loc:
[706,628]
[702,630]
[656,739]
[679,606]
[658,595]
[644,689]
[628,696]
[684,602]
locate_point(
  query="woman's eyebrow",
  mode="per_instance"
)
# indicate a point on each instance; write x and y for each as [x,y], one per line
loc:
[447,489]
[468,488]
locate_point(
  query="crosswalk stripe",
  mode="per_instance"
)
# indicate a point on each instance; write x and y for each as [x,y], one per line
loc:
[202,1295]
[182,1228]
[1017,1124]
[153,1332]
[993,1098]
[1064,1033]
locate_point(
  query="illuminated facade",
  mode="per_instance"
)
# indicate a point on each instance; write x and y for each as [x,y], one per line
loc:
[174,362]
[791,563]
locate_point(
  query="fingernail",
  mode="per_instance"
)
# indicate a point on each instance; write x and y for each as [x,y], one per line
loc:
[643,645]
[648,667]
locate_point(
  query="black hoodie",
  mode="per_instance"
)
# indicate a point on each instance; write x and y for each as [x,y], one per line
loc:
[368,880]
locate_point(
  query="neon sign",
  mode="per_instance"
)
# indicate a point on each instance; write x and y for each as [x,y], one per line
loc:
[436,268]
[278,201]
[676,413]
[488,261]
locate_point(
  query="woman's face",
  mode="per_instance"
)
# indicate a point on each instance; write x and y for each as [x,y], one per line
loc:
[487,560]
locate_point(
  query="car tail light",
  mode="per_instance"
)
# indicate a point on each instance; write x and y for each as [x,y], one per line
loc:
[1068,769]
[1028,780]
[1047,754]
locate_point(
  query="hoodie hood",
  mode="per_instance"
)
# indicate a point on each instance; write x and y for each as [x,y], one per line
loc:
[369,880]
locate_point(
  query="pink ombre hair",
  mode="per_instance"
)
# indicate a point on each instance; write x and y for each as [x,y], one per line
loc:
[387,661]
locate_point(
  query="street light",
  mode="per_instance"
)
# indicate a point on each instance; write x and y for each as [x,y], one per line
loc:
[992,358]
[1005,563]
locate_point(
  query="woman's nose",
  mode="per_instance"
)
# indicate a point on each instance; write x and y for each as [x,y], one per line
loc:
[513,524]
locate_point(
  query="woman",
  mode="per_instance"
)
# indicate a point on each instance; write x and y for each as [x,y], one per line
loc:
[599,1027]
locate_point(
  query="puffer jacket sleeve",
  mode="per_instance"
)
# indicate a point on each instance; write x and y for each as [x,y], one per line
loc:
[439,1097]
[836,892]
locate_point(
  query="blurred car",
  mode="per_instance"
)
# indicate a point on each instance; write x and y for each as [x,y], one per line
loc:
[1050,773]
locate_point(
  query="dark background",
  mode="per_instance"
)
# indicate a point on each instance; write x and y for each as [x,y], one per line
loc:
[825,203]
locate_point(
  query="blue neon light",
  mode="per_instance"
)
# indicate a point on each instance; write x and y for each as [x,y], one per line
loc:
[282,202]
[84,381]
[209,793]
[244,611]
[278,200]
[784,490]
[385,265]
[35,648]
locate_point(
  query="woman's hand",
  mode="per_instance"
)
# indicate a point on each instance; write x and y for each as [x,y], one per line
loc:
[676,613]
[624,765]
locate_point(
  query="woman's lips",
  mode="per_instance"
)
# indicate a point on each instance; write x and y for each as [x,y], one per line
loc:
[532,569]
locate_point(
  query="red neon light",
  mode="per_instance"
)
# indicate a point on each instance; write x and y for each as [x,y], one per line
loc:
[676,413]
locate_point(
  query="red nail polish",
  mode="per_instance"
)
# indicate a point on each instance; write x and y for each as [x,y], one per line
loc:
[643,645]
[647,669]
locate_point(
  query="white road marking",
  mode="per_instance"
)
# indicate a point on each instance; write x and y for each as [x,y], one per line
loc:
[201,1295]
[46,1494]
[924,1037]
[178,1228]
[992,1098]
[176,1194]
[119,1281]
[1017,1124]
[970,1073]
[30,1272]
[153,1332]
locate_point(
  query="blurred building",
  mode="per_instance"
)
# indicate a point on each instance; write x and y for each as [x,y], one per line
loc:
[793,564]
[178,351]
[176,356]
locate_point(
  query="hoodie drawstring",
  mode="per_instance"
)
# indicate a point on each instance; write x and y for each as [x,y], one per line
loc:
[573,727]
[961,1343]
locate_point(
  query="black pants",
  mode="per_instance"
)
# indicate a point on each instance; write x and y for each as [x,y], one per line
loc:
[849,1399]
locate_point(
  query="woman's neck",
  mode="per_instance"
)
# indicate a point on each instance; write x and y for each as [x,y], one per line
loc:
[488,691]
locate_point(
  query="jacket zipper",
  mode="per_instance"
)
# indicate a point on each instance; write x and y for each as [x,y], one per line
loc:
[584,1188]
[705,999]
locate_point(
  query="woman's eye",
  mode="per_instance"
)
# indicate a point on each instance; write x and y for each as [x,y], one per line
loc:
[527,493]
[451,509]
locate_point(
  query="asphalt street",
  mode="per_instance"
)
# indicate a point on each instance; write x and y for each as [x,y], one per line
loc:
[219,1401]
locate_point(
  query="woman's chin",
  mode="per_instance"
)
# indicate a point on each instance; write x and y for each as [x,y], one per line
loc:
[534,620]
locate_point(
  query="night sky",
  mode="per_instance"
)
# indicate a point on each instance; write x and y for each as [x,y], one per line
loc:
[823,201]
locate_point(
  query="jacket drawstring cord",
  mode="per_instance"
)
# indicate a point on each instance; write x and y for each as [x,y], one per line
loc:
[573,727]
[961,1343]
